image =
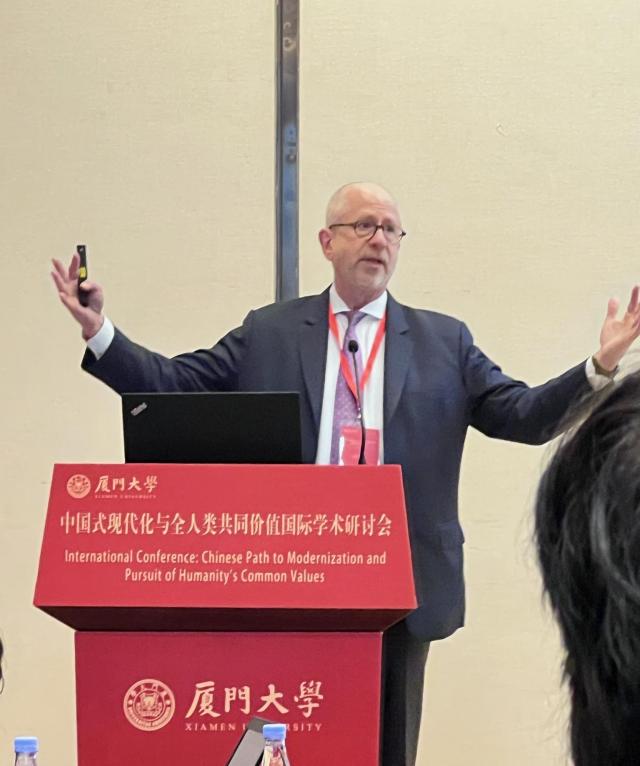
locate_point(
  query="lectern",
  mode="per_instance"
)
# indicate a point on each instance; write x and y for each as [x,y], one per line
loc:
[202,595]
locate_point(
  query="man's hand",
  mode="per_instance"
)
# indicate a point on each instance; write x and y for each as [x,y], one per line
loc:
[90,318]
[618,334]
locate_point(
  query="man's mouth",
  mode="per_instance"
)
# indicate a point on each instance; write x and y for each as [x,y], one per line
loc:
[373,260]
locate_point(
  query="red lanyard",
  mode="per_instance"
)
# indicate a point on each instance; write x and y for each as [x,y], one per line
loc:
[344,358]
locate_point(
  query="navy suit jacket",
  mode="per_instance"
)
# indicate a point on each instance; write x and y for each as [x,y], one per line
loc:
[437,384]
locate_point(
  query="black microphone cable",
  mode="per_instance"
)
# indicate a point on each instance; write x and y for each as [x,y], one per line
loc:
[353,350]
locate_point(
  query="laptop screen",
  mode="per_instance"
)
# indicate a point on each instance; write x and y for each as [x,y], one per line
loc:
[220,427]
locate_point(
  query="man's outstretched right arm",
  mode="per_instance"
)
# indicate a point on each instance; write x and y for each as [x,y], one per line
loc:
[128,367]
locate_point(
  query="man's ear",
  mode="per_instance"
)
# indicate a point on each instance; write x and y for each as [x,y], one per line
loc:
[325,237]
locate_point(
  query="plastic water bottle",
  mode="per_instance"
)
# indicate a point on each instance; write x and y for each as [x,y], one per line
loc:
[274,753]
[26,750]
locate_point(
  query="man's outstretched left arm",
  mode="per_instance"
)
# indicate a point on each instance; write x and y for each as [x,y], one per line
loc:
[509,409]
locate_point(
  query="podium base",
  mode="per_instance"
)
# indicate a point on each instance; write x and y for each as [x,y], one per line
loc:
[160,698]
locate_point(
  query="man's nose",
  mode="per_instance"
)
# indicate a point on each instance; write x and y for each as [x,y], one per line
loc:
[378,238]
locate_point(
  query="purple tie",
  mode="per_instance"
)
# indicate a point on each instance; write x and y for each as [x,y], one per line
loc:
[345,410]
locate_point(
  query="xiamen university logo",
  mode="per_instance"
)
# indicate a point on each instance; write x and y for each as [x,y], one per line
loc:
[78,486]
[149,704]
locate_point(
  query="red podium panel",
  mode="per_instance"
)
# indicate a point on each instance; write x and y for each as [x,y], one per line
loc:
[261,550]
[171,698]
[215,547]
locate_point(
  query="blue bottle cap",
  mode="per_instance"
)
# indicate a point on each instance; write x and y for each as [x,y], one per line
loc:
[26,744]
[274,730]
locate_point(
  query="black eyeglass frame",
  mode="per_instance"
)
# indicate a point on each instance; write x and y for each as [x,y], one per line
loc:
[353,225]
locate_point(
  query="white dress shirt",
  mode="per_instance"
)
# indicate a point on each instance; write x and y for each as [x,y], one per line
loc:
[373,394]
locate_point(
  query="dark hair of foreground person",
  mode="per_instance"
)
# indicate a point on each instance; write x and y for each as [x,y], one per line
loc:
[588,540]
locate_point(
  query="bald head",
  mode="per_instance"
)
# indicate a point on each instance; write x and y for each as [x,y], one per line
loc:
[365,190]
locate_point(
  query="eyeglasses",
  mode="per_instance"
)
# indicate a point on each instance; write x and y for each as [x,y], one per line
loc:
[367,229]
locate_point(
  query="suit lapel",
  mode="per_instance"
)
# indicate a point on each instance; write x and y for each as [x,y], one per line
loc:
[398,350]
[313,351]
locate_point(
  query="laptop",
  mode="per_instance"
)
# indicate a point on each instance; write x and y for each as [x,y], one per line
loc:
[220,427]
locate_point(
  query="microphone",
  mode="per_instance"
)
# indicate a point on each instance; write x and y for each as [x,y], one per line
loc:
[353,350]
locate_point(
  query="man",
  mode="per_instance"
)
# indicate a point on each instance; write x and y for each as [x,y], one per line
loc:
[424,382]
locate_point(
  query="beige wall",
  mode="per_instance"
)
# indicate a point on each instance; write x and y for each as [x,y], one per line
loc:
[509,132]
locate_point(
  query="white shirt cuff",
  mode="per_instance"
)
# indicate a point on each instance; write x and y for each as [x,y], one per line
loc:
[597,382]
[102,339]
